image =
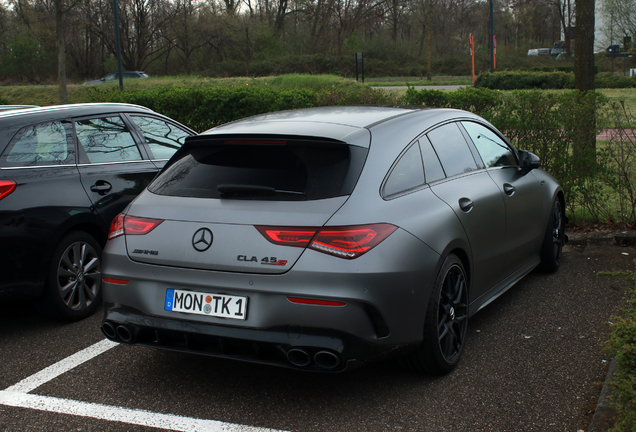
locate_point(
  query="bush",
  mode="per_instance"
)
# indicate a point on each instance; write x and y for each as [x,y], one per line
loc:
[545,78]
[611,81]
[202,108]
[525,80]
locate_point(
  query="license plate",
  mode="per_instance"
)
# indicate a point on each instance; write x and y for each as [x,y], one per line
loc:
[216,305]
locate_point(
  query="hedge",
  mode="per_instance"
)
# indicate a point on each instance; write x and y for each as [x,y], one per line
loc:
[519,80]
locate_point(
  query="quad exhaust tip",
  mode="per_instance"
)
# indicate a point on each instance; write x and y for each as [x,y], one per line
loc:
[301,357]
[118,333]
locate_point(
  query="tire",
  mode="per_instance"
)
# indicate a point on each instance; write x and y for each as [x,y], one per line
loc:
[552,247]
[445,323]
[73,283]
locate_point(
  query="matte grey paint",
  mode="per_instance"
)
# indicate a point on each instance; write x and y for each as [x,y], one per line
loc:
[498,238]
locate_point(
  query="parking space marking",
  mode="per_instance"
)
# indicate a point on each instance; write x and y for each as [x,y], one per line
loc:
[53,371]
[124,415]
[18,396]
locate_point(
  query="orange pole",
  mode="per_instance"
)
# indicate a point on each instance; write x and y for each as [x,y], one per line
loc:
[494,56]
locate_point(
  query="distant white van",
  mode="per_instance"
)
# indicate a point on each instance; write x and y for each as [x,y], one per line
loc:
[539,52]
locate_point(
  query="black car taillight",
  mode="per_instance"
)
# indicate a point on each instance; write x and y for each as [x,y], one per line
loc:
[6,187]
[131,225]
[346,242]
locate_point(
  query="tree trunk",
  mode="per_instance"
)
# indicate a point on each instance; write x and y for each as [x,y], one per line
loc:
[585,150]
[61,52]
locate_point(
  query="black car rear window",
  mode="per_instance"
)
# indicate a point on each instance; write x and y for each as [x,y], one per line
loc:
[275,170]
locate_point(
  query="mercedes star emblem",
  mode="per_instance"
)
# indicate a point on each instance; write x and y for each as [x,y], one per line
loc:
[202,239]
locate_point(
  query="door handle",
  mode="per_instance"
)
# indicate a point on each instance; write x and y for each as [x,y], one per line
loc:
[465,204]
[101,187]
[509,189]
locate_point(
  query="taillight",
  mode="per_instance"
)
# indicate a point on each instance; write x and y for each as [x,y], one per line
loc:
[347,242]
[131,225]
[6,187]
[299,237]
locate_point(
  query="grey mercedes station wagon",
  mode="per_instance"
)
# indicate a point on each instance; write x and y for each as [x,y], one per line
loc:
[325,238]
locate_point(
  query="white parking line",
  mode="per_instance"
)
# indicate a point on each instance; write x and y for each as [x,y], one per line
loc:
[53,371]
[111,413]
[17,396]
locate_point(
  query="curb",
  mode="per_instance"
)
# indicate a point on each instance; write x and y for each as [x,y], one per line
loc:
[605,415]
[602,238]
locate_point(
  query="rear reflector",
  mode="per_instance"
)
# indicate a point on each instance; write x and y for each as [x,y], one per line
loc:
[116,281]
[315,301]
[346,242]
[131,225]
[6,187]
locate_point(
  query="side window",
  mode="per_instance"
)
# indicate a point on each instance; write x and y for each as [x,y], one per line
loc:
[163,138]
[452,149]
[43,144]
[407,173]
[106,139]
[432,167]
[493,150]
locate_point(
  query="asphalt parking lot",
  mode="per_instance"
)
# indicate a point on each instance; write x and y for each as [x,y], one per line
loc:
[531,363]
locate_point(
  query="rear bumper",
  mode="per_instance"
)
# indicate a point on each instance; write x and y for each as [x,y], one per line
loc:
[383,300]
[287,346]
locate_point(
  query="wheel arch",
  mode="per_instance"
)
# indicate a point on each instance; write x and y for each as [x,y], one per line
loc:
[461,249]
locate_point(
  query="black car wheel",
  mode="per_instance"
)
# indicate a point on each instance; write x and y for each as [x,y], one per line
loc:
[446,322]
[553,240]
[73,286]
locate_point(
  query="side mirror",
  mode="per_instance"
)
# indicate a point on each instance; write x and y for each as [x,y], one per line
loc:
[528,161]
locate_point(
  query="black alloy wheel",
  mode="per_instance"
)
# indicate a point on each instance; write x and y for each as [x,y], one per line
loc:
[73,288]
[554,239]
[452,315]
[446,322]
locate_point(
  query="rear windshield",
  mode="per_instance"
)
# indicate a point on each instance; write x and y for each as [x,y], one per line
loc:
[275,171]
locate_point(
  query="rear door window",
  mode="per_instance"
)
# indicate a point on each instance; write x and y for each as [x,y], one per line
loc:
[162,137]
[452,149]
[274,170]
[39,145]
[106,140]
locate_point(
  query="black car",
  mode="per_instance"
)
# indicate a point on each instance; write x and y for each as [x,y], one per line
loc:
[65,173]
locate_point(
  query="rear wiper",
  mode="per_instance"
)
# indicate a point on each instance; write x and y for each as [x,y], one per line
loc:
[251,190]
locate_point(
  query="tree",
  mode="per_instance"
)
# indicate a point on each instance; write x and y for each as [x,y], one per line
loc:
[620,19]
[141,23]
[566,13]
[585,151]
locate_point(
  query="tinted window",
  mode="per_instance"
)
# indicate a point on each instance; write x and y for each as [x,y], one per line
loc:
[163,138]
[493,150]
[452,149]
[407,174]
[263,172]
[432,167]
[43,144]
[106,139]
